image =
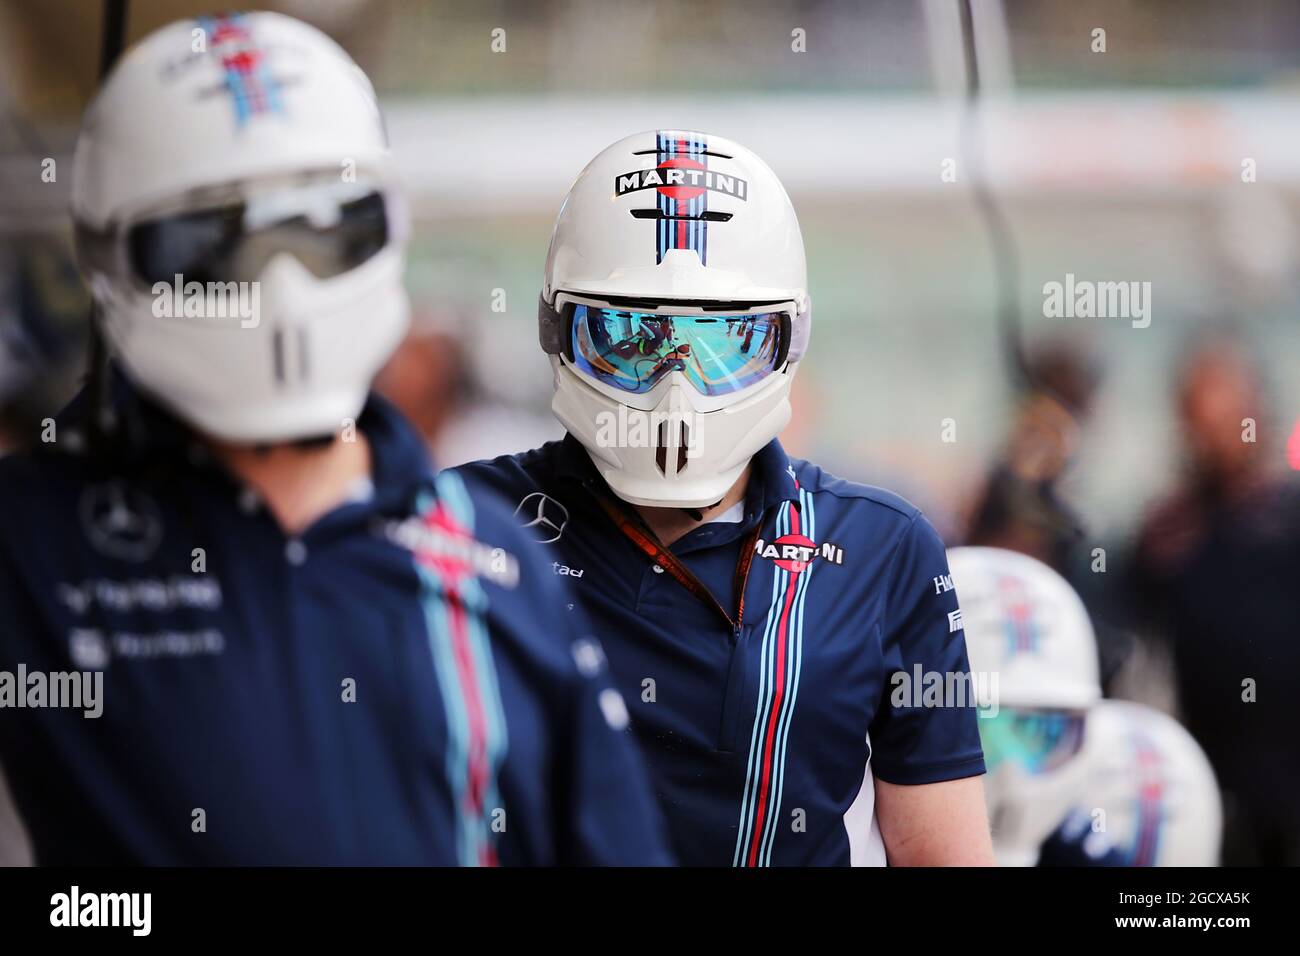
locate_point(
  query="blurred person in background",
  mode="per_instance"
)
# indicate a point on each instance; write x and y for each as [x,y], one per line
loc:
[294,644]
[753,606]
[1215,571]
[431,378]
[1020,506]
[426,378]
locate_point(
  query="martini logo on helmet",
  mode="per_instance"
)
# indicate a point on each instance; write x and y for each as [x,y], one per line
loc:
[795,552]
[682,182]
[1021,630]
[246,75]
[250,83]
[681,178]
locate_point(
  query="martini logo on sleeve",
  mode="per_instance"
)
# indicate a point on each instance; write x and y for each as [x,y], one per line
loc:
[795,552]
[681,178]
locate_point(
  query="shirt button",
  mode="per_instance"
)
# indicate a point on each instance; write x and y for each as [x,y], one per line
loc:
[658,569]
[295,552]
[247,501]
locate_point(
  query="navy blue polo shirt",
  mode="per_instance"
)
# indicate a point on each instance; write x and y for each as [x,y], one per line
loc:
[399,684]
[763,745]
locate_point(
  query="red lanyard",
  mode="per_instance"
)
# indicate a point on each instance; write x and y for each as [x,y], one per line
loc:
[645,540]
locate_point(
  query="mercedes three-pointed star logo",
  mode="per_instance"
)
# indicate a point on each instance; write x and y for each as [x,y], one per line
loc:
[544,516]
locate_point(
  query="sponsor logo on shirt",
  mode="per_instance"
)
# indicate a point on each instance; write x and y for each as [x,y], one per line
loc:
[120,521]
[543,517]
[153,594]
[92,648]
[95,649]
[795,552]
[456,553]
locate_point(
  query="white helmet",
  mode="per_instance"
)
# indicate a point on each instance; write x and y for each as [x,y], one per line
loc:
[1024,623]
[1027,630]
[1154,785]
[675,294]
[242,162]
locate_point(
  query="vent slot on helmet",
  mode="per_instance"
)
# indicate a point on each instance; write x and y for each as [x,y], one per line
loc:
[661,449]
[709,215]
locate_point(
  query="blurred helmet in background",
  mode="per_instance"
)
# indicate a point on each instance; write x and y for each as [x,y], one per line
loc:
[1154,784]
[676,291]
[1025,623]
[1027,629]
[236,170]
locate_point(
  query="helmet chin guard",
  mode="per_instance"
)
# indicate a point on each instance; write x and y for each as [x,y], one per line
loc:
[699,228]
[668,456]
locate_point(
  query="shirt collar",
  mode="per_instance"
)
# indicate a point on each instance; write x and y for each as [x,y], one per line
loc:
[773,475]
[573,461]
[400,463]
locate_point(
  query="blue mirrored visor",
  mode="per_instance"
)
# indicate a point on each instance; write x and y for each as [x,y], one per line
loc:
[1038,740]
[633,351]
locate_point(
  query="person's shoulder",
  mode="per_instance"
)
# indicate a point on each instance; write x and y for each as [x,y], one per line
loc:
[30,477]
[863,499]
[44,501]
[17,469]
[526,605]
[506,474]
[869,512]
[55,461]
